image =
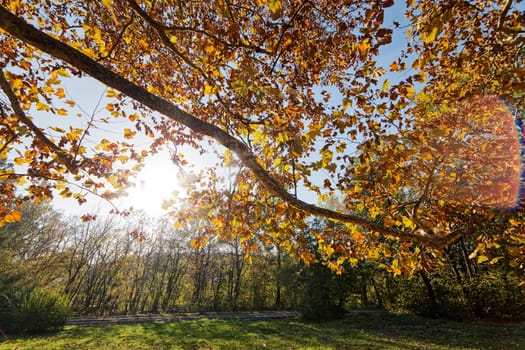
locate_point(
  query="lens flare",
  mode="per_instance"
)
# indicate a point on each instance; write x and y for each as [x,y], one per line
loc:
[495,133]
[473,151]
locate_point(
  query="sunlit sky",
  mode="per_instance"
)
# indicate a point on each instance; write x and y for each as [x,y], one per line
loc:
[155,183]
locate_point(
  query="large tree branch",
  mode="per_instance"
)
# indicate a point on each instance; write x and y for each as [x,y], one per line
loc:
[34,37]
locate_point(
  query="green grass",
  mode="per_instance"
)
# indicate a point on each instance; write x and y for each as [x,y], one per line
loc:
[362,331]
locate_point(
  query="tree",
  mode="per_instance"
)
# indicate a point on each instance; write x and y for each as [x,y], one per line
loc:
[258,78]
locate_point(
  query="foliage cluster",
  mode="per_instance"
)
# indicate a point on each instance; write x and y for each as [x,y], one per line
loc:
[295,92]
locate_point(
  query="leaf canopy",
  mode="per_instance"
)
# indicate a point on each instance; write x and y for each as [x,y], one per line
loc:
[299,91]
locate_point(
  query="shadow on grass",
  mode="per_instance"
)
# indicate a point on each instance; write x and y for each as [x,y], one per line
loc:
[358,331]
[441,333]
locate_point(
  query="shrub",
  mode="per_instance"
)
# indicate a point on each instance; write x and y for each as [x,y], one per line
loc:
[496,296]
[324,294]
[491,295]
[413,296]
[37,311]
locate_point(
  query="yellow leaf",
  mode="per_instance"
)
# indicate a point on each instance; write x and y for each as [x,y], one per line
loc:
[208,89]
[111,93]
[143,44]
[513,222]
[57,129]
[113,180]
[21,181]
[373,254]
[374,212]
[347,103]
[59,92]
[495,260]
[63,72]
[107,3]
[326,157]
[17,84]
[411,92]
[217,222]
[75,134]
[408,223]
[386,83]
[395,267]
[426,156]
[42,107]
[128,133]
[329,250]
[381,108]
[21,161]
[363,47]
[123,159]
[228,158]
[482,259]
[275,5]
[430,37]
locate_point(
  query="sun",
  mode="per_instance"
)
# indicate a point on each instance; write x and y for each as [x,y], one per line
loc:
[158,181]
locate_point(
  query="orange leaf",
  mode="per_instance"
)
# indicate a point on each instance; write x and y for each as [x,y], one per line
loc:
[14,216]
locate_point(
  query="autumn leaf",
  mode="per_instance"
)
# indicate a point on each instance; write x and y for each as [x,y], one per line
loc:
[129,134]
[22,160]
[275,6]
[386,84]
[42,107]
[363,47]
[431,36]
[13,216]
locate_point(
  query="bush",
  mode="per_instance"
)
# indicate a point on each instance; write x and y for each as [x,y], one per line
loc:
[38,311]
[324,294]
[496,296]
[491,295]
[413,296]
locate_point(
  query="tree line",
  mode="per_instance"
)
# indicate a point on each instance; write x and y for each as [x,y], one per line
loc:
[142,265]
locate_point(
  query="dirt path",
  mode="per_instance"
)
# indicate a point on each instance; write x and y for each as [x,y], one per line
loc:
[172,318]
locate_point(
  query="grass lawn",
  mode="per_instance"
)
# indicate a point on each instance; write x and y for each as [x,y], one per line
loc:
[361,331]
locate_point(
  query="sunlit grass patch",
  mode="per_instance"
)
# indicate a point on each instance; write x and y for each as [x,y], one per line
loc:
[359,331]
